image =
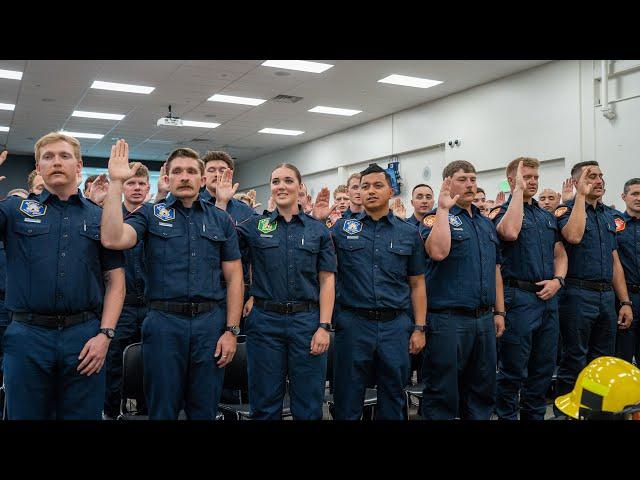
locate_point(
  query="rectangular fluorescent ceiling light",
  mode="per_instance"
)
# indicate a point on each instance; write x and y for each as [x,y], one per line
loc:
[7,106]
[300,65]
[122,87]
[280,131]
[335,111]
[410,81]
[105,116]
[4,129]
[10,74]
[231,99]
[191,123]
[82,135]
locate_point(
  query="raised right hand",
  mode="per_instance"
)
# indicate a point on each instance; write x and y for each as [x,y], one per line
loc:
[444,199]
[163,182]
[567,190]
[3,157]
[119,162]
[583,186]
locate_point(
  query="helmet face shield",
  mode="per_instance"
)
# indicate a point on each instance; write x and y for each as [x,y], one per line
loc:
[605,389]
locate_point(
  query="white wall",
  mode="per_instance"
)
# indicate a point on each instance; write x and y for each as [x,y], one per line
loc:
[547,112]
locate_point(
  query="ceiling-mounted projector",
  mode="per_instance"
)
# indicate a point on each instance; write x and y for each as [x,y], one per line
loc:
[169,120]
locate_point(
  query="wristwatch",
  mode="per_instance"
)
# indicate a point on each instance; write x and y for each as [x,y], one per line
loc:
[235,329]
[628,302]
[326,326]
[560,279]
[502,314]
[109,332]
[419,328]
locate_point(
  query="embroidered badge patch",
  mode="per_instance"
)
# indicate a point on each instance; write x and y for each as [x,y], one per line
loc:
[494,213]
[352,227]
[32,208]
[560,211]
[620,224]
[455,220]
[429,220]
[163,213]
[265,227]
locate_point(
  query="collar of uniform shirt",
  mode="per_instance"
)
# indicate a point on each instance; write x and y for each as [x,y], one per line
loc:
[628,217]
[47,196]
[390,217]
[275,214]
[534,202]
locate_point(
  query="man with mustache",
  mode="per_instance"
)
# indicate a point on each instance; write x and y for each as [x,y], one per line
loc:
[534,264]
[587,304]
[628,340]
[65,294]
[190,245]
[465,302]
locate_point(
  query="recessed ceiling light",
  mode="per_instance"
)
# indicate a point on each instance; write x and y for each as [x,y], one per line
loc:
[82,135]
[122,87]
[11,74]
[300,65]
[233,99]
[7,106]
[4,129]
[335,111]
[105,116]
[409,81]
[280,131]
[191,123]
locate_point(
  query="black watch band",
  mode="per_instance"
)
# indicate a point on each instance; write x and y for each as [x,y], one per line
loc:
[560,279]
[419,328]
[109,332]
[326,326]
[235,329]
[628,302]
[502,314]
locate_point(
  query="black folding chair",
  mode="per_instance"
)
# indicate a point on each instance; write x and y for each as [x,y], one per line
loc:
[132,382]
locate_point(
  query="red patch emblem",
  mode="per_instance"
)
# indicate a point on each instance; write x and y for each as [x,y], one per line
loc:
[620,224]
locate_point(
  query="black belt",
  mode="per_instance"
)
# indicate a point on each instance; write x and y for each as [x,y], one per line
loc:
[52,321]
[383,314]
[181,308]
[588,285]
[522,285]
[133,300]
[633,288]
[284,307]
[469,312]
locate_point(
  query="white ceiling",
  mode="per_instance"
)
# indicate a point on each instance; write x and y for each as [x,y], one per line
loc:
[51,90]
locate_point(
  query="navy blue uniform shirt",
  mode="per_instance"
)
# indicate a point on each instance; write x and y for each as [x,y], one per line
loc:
[184,248]
[3,268]
[591,259]
[412,220]
[238,210]
[54,255]
[286,256]
[629,247]
[374,260]
[467,276]
[134,269]
[530,257]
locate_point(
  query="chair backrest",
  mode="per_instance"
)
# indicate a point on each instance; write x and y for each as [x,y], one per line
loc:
[132,380]
[330,354]
[236,376]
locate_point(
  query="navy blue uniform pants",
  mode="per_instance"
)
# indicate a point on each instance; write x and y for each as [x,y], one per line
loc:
[459,367]
[527,355]
[180,370]
[41,377]
[279,346]
[370,352]
[4,323]
[588,323]
[127,332]
[628,340]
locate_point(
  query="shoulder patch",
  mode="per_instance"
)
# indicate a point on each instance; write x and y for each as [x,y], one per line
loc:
[620,224]
[32,208]
[494,212]
[163,213]
[560,211]
[429,220]
[352,226]
[265,226]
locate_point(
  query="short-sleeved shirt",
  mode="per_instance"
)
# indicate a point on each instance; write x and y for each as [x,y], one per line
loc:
[286,257]
[467,276]
[629,246]
[412,220]
[135,269]
[54,256]
[184,249]
[591,259]
[238,210]
[375,259]
[530,257]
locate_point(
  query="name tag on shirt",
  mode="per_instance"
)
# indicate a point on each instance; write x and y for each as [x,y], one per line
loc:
[264,235]
[162,224]
[454,228]
[353,237]
[33,220]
